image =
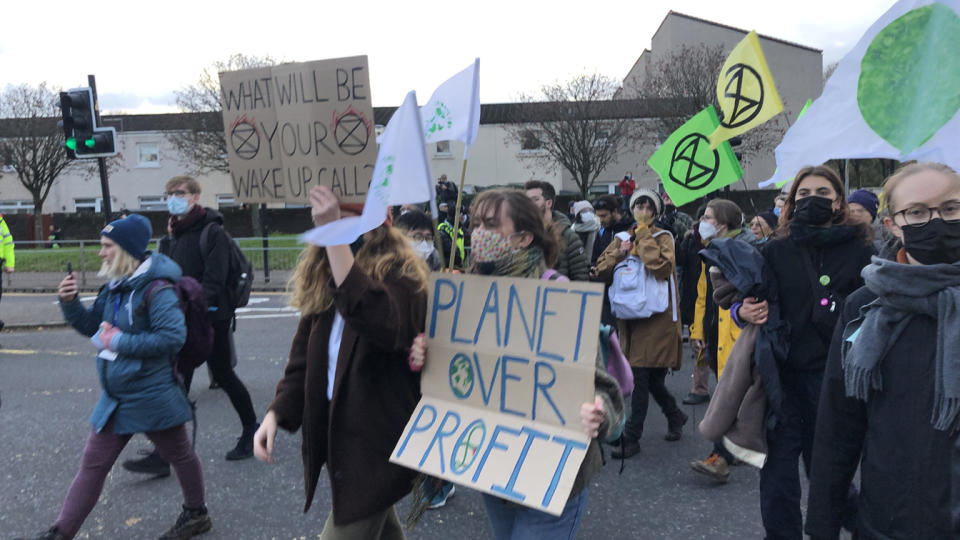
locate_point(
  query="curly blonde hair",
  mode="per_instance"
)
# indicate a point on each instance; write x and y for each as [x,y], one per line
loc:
[386,254]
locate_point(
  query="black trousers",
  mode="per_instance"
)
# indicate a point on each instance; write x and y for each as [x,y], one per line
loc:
[647,382]
[221,364]
[789,441]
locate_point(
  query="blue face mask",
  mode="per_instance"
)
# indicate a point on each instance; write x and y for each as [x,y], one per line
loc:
[177,206]
[776,212]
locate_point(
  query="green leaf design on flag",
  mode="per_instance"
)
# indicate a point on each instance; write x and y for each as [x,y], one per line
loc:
[909,84]
[440,119]
[687,166]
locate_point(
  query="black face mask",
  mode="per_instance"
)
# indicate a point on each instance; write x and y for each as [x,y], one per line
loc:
[813,210]
[937,242]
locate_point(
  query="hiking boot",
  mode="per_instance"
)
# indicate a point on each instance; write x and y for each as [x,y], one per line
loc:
[50,534]
[151,464]
[244,447]
[190,523]
[696,399]
[440,498]
[675,426]
[714,466]
[626,449]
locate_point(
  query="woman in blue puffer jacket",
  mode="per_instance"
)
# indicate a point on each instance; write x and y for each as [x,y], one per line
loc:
[135,342]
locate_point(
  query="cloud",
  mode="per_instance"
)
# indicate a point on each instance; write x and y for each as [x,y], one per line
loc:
[130,103]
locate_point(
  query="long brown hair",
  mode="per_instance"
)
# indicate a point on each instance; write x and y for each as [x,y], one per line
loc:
[789,206]
[525,215]
[386,254]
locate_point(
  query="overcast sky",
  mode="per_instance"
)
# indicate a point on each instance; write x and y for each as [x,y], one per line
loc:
[142,52]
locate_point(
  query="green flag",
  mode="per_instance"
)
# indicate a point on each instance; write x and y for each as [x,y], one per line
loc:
[687,166]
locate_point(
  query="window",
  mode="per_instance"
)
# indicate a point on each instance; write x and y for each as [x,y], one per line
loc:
[602,138]
[152,202]
[226,201]
[530,141]
[148,155]
[87,206]
[443,148]
[16,207]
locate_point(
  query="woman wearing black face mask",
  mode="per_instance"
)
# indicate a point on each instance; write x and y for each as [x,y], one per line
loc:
[894,367]
[815,258]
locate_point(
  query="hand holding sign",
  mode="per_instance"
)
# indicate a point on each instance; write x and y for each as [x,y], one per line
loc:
[592,416]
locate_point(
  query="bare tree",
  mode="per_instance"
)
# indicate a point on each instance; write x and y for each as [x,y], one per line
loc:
[576,125]
[203,144]
[32,143]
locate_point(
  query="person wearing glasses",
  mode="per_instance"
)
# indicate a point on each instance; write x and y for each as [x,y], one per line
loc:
[418,228]
[815,259]
[891,397]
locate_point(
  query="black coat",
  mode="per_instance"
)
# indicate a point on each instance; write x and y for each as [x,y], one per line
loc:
[604,238]
[841,261]
[210,268]
[909,472]
[689,266]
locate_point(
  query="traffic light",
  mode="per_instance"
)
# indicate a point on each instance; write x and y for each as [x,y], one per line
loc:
[734,143]
[82,136]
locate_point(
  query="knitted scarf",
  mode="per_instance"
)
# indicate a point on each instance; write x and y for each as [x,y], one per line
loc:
[180,224]
[823,236]
[906,291]
[521,263]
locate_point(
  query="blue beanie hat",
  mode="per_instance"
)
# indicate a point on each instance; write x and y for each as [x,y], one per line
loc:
[866,199]
[131,233]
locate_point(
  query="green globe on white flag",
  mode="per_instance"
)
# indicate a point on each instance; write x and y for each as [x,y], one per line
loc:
[895,95]
[453,111]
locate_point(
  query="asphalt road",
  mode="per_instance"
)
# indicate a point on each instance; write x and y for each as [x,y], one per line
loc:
[49,386]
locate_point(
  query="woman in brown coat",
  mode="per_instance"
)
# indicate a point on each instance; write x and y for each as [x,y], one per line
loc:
[353,404]
[652,345]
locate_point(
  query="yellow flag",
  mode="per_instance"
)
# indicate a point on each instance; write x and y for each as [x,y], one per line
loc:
[745,90]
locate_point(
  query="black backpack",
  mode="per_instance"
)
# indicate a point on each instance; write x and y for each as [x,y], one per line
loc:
[239,271]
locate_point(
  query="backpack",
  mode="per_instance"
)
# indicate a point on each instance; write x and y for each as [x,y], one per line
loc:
[199,343]
[239,270]
[635,293]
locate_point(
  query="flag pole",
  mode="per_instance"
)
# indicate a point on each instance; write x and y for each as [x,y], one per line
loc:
[456,214]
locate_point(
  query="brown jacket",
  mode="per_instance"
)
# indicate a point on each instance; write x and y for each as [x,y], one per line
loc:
[374,394]
[654,342]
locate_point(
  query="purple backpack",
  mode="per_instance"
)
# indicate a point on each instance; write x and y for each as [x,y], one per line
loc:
[199,343]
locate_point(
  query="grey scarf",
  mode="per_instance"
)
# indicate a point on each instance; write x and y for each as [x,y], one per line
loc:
[906,291]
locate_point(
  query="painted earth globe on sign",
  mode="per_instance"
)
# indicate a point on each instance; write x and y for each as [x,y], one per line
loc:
[461,376]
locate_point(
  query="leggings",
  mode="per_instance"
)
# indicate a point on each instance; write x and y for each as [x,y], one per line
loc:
[102,451]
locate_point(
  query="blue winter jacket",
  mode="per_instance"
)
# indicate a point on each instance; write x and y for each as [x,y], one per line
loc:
[139,389]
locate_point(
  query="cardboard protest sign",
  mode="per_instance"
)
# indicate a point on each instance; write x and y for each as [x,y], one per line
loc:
[895,95]
[293,126]
[688,167]
[510,362]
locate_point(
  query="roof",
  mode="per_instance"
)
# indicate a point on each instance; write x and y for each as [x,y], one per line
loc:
[735,29]
[490,113]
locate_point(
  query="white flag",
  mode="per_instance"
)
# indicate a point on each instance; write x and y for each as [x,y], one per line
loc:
[895,95]
[453,111]
[401,176]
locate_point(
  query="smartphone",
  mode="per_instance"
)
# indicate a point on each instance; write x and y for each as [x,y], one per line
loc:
[69,268]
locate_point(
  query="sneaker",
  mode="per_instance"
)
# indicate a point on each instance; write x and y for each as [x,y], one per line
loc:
[714,466]
[696,399]
[675,426]
[190,523]
[446,491]
[151,464]
[244,447]
[626,449]
[49,534]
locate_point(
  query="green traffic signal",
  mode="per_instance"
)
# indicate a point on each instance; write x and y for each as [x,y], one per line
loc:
[90,143]
[72,144]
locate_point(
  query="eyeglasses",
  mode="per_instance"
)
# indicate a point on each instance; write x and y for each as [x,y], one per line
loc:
[177,193]
[921,214]
[420,237]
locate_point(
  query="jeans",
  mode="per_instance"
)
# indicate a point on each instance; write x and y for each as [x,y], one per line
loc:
[221,365]
[647,382]
[511,521]
[101,452]
[791,439]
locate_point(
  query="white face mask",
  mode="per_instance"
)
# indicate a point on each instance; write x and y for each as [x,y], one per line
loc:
[707,230]
[423,249]
[587,217]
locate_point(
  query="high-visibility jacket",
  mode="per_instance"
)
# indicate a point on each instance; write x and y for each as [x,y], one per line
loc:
[447,229]
[6,244]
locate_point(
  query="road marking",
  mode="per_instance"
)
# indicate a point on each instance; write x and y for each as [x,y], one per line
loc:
[275,309]
[271,316]
[256,300]
[29,351]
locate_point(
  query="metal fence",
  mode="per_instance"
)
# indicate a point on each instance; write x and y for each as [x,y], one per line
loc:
[41,265]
